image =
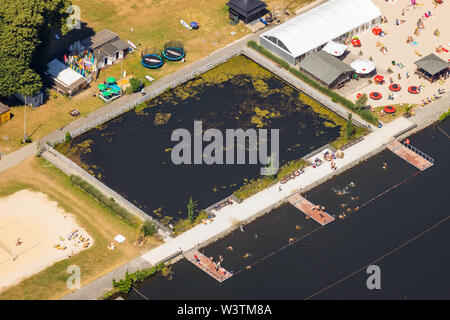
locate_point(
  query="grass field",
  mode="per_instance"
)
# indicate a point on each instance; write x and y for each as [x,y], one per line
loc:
[402,108]
[37,174]
[154,22]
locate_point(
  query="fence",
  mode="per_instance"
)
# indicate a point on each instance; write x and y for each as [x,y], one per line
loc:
[420,153]
[70,167]
[146,97]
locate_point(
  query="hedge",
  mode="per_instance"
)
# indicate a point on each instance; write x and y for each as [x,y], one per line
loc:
[103,200]
[335,97]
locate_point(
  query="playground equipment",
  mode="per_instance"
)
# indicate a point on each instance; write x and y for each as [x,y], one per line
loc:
[395,87]
[389,109]
[174,50]
[151,58]
[375,95]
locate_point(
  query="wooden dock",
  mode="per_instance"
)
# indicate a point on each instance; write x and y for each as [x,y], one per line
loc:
[417,158]
[208,266]
[307,208]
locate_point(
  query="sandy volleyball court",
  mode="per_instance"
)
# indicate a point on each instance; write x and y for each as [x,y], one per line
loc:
[400,51]
[41,225]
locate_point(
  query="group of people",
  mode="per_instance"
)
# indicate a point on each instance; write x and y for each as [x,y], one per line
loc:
[293,175]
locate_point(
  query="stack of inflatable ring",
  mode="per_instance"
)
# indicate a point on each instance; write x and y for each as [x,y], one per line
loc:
[375,95]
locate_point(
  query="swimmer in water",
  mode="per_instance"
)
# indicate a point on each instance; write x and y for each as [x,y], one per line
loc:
[343,205]
[384,166]
[349,210]
[357,208]
[351,184]
[230,248]
[297,227]
[248,267]
[292,240]
[256,236]
[352,198]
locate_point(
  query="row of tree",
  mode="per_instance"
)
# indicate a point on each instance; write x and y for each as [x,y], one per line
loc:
[25,27]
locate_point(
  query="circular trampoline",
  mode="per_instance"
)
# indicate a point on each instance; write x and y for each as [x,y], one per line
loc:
[151,58]
[375,96]
[395,87]
[174,51]
[389,109]
[413,90]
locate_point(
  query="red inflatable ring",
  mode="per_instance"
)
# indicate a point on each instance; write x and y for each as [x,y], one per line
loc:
[389,109]
[395,87]
[413,90]
[376,96]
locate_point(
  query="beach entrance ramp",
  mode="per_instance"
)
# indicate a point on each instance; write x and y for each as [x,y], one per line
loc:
[309,209]
[207,265]
[411,154]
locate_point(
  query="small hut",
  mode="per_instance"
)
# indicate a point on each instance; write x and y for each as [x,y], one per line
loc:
[432,67]
[246,10]
[5,113]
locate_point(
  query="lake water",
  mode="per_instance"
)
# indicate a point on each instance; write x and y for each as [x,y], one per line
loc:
[132,154]
[335,257]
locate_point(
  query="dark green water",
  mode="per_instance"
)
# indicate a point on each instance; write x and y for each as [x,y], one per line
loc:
[131,154]
[334,258]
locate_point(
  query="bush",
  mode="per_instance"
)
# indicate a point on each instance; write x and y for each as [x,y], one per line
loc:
[335,97]
[68,137]
[148,228]
[136,85]
[125,285]
[103,200]
[445,115]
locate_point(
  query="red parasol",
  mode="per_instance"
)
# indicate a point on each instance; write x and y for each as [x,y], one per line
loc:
[356,43]
[376,30]
[378,78]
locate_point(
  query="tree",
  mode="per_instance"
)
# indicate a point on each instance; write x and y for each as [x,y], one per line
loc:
[349,126]
[190,208]
[68,137]
[148,228]
[24,31]
[361,102]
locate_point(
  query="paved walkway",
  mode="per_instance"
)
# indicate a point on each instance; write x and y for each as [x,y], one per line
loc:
[10,160]
[237,213]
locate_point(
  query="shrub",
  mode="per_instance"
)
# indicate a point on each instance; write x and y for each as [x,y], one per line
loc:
[111,204]
[148,228]
[68,137]
[135,84]
[445,115]
[125,285]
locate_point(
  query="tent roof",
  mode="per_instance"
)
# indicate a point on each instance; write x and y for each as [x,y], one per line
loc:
[3,108]
[432,64]
[322,24]
[335,49]
[246,7]
[68,77]
[363,66]
[324,66]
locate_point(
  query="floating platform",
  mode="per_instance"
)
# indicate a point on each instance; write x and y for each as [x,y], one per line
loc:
[208,266]
[410,154]
[307,208]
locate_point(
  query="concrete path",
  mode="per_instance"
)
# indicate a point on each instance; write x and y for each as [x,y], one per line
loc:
[10,160]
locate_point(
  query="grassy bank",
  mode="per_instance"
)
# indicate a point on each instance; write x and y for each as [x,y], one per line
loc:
[335,97]
[100,222]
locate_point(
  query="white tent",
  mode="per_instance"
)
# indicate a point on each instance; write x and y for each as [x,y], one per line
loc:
[363,66]
[335,49]
[332,20]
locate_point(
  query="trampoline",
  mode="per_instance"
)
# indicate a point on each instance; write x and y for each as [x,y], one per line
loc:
[395,87]
[151,58]
[174,51]
[375,96]
[389,109]
[413,90]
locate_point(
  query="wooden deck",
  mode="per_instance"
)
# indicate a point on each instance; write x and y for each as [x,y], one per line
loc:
[207,265]
[307,208]
[408,155]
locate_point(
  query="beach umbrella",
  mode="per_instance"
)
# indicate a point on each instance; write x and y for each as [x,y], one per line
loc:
[106,93]
[115,90]
[356,42]
[363,66]
[101,87]
[111,80]
[379,78]
[376,30]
